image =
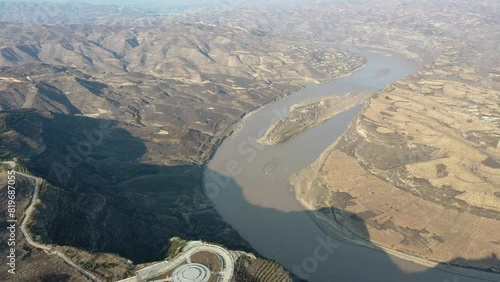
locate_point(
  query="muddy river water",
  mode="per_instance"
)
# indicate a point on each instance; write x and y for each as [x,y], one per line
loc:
[248,184]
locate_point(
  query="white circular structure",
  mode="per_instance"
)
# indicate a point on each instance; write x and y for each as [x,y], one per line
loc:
[192,272]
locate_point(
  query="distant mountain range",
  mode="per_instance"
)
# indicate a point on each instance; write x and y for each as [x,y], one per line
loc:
[85,11]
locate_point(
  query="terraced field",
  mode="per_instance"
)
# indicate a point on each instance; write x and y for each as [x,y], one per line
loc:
[260,271]
[425,147]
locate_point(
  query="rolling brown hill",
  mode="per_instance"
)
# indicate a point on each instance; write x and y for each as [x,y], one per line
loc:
[169,89]
[119,120]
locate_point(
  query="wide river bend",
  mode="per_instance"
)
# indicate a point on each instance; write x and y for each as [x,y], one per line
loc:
[256,199]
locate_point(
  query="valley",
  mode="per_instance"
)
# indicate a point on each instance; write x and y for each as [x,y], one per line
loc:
[122,112]
[119,121]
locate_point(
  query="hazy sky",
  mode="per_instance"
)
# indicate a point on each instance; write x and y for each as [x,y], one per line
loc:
[139,2]
[166,2]
[159,5]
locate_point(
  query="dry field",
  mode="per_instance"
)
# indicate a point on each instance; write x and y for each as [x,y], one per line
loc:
[210,260]
[420,168]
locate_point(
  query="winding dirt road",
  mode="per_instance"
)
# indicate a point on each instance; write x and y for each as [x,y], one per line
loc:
[26,234]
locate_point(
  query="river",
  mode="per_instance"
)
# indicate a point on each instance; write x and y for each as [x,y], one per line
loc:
[256,199]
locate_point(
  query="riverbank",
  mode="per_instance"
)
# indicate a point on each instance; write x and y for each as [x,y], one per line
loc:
[237,125]
[303,184]
[259,198]
[306,115]
[339,232]
[241,122]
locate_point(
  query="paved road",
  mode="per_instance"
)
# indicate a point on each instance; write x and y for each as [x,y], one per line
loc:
[192,247]
[27,235]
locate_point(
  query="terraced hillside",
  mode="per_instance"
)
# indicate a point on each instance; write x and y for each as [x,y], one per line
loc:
[31,264]
[419,167]
[260,270]
[128,109]
[178,90]
[98,182]
[126,114]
